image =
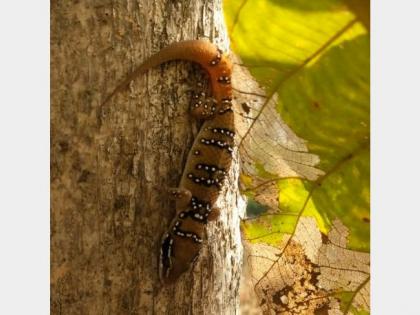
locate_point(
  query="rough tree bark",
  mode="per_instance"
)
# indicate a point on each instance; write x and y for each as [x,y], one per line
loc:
[111,165]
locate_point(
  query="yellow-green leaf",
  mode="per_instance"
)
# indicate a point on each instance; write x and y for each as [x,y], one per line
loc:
[312,57]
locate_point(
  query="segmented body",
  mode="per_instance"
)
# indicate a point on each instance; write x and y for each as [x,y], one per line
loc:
[209,158]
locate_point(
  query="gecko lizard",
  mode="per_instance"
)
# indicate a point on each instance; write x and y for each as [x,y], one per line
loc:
[208,160]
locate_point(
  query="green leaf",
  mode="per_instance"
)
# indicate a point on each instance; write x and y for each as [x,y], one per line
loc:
[328,105]
[274,37]
[314,56]
[346,299]
[271,227]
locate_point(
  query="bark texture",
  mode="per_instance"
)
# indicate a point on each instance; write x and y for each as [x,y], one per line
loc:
[111,164]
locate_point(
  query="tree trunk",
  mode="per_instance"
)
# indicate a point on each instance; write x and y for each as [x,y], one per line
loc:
[111,164]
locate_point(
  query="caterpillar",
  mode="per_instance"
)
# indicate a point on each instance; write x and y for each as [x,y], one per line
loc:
[209,158]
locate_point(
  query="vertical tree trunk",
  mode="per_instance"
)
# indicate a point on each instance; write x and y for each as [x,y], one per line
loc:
[111,164]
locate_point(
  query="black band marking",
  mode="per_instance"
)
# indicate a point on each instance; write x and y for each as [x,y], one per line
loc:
[166,252]
[206,181]
[178,232]
[218,144]
[217,59]
[223,80]
[224,131]
[199,212]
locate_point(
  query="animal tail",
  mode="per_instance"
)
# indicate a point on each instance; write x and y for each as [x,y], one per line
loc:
[198,51]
